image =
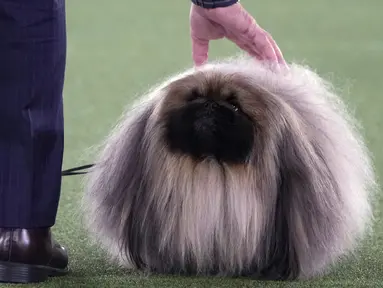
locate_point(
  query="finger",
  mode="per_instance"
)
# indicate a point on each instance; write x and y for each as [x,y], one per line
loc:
[277,51]
[240,23]
[262,43]
[236,20]
[199,35]
[259,46]
[200,48]
[253,52]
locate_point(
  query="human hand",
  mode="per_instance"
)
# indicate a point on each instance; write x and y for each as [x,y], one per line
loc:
[237,25]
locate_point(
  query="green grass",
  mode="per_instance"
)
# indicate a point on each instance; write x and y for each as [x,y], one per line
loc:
[117,49]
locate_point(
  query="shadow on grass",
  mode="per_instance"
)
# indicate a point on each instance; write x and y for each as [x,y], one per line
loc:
[112,276]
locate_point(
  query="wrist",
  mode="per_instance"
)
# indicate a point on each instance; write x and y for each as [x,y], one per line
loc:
[211,4]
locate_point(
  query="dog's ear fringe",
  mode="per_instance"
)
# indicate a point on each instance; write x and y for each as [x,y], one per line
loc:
[314,206]
[305,187]
[114,182]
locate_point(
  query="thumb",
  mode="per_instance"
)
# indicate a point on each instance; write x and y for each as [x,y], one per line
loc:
[200,48]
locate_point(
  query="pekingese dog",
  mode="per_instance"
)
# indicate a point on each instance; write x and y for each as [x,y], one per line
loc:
[233,169]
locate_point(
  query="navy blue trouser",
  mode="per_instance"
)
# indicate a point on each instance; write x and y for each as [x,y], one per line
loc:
[32,68]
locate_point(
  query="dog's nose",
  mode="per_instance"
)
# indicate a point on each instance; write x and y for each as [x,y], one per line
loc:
[211,104]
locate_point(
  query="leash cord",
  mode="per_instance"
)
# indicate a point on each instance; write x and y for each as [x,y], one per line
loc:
[77,170]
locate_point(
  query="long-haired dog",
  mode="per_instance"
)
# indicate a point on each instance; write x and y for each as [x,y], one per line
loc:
[233,169]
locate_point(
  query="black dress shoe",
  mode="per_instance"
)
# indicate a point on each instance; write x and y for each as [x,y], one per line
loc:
[30,256]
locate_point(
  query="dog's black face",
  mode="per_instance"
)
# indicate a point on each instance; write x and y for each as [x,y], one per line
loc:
[211,126]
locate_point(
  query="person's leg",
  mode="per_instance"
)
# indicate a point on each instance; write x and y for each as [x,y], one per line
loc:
[32,67]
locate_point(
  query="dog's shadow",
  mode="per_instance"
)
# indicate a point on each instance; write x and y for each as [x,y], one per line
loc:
[101,267]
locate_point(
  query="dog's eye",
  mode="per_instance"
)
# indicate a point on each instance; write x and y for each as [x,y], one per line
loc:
[233,103]
[235,107]
[194,95]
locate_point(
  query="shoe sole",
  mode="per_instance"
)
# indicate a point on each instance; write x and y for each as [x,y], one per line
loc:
[23,273]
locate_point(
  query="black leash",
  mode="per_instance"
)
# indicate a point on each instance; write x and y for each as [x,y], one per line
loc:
[77,170]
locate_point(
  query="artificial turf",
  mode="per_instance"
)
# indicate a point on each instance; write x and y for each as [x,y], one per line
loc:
[117,49]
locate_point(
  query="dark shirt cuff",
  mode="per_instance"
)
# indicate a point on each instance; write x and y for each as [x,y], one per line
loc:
[211,4]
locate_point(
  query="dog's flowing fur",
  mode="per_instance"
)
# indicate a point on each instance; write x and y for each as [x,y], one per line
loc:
[299,202]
